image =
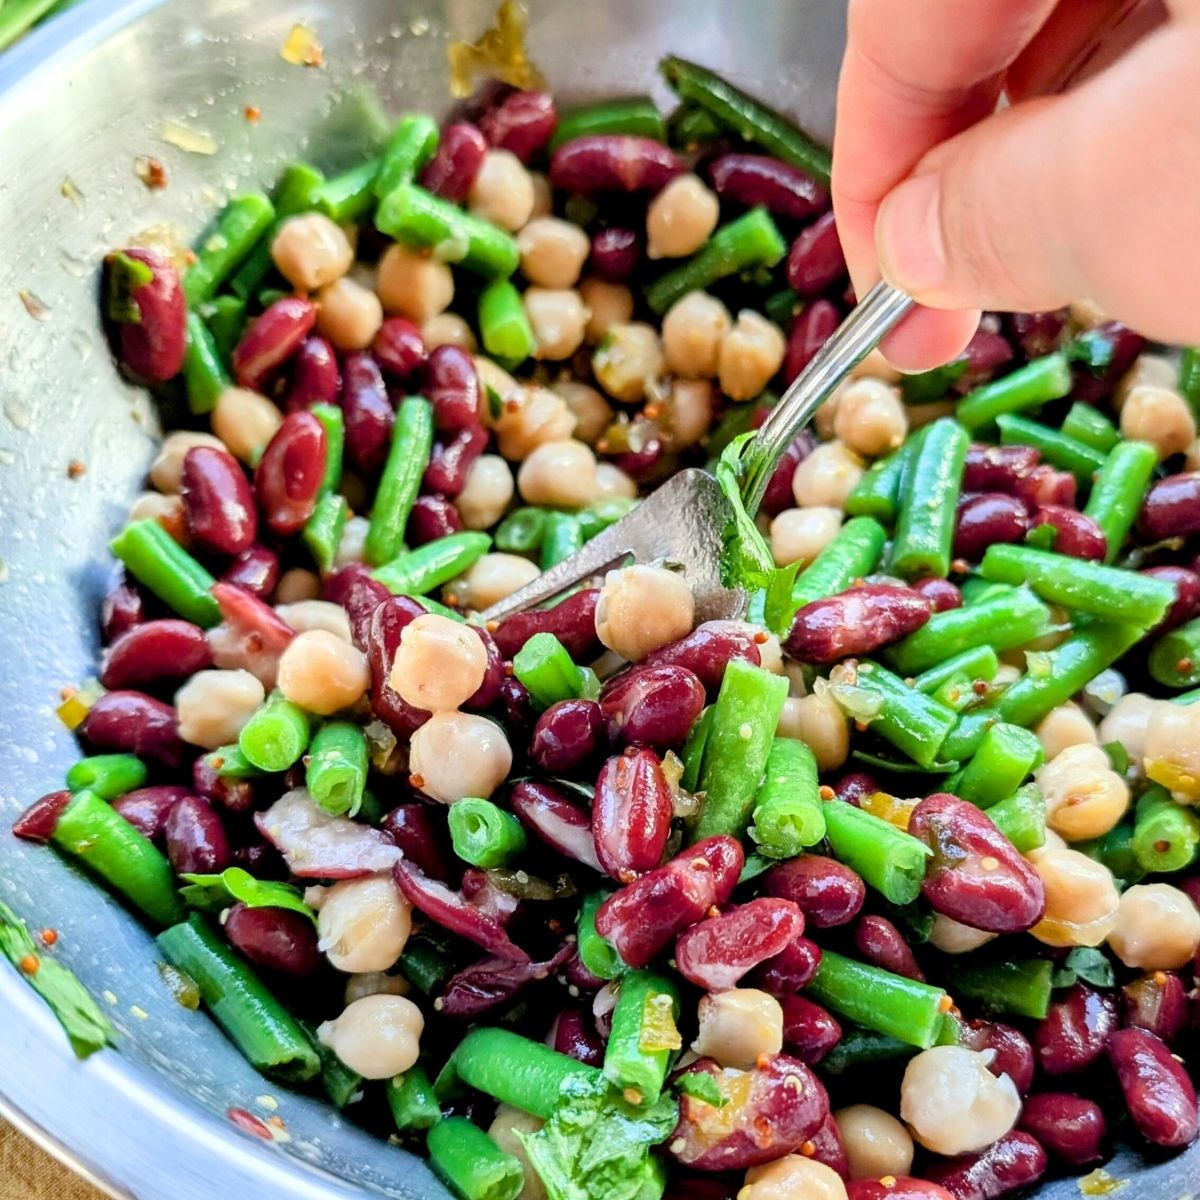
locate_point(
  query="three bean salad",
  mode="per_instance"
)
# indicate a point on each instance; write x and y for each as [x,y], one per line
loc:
[887,892]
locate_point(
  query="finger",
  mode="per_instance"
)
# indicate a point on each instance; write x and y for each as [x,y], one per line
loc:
[1086,195]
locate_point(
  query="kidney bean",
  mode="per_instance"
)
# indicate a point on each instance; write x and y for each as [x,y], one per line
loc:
[717,952]
[997,468]
[1075,1031]
[516,705]
[218,501]
[491,981]
[1077,535]
[790,970]
[1160,1095]
[1012,1162]
[121,609]
[707,651]
[644,918]
[275,938]
[631,814]
[809,332]
[1126,346]
[196,839]
[315,378]
[815,261]
[976,875]
[1157,1002]
[579,977]
[653,706]
[360,594]
[450,461]
[828,892]
[607,162]
[773,1112]
[135,723]
[855,622]
[233,795]
[986,519]
[388,621]
[262,629]
[255,570]
[575,1036]
[898,1187]
[809,1031]
[487,695]
[154,651]
[1171,508]
[399,349]
[452,387]
[985,353]
[271,339]
[522,123]
[367,411]
[1187,596]
[1013,1053]
[147,809]
[572,621]
[1046,486]
[152,339]
[566,735]
[432,517]
[784,190]
[827,1147]
[1037,333]
[454,166]
[424,841]
[1072,1129]
[1191,887]
[37,823]
[854,785]
[558,821]
[616,253]
[881,943]
[289,476]
[647,462]
[941,593]
[778,495]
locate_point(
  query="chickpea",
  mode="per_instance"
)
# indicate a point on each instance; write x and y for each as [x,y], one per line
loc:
[560,474]
[608,303]
[876,366]
[1160,416]
[680,218]
[492,578]
[1084,796]
[297,585]
[378,1036]
[166,471]
[439,664]
[827,477]
[448,329]
[591,411]
[349,314]
[870,418]
[793,1177]
[953,1104]
[737,1026]
[311,251]
[641,608]
[413,285]
[692,332]
[543,195]
[876,1143]
[820,723]
[509,1122]
[1172,751]
[493,377]
[751,352]
[1191,457]
[363,924]
[374,983]
[352,546]
[1151,370]
[487,492]
[953,937]
[1127,722]
[233,651]
[213,706]
[1006,674]
[503,191]
[612,483]
[628,359]
[1081,898]
[322,673]
[921,415]
[687,412]
[245,422]
[770,652]
[826,416]
[558,319]
[553,252]
[459,754]
[1157,929]
[307,615]
[800,534]
[530,417]
[1064,726]
[168,511]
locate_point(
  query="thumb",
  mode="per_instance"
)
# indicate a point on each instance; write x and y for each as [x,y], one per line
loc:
[1089,195]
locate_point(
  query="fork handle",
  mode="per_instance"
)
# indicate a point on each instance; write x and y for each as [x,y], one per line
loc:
[877,314]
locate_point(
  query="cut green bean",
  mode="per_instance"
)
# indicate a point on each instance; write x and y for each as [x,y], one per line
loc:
[442,610]
[1057,447]
[644,1035]
[225,317]
[522,531]
[596,953]
[241,223]
[323,530]
[230,763]
[157,560]
[412,441]
[929,387]
[1175,658]
[877,493]
[483,834]
[563,537]
[412,1102]
[336,770]
[276,735]
[334,424]
[690,127]
[204,375]
[925,524]
[1090,426]
[1006,755]
[636,116]
[421,570]
[788,814]
[1036,383]
[693,750]
[978,663]
[864,1048]
[471,1162]
[1115,851]
[425,964]
[1021,817]
[596,518]
[1166,835]
[547,671]
[783,307]
[916,724]
[853,554]
[888,859]
[504,325]
[108,775]
[413,143]
[350,196]
[1018,989]
[338,1081]
[1118,491]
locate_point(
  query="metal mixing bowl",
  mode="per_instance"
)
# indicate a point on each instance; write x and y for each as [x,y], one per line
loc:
[79,102]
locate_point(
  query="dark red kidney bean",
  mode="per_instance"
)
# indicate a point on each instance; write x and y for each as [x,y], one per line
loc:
[360,594]
[233,795]
[1013,1053]
[828,892]
[645,462]
[698,1187]
[432,517]
[1125,346]
[1037,333]
[854,785]
[488,692]
[522,123]
[707,651]
[1045,486]
[196,838]
[751,179]
[856,622]
[575,1036]
[897,1187]
[562,824]
[452,387]
[255,570]
[985,353]
[1010,1163]
[399,349]
[1158,1092]
[828,1148]
[809,1031]
[218,501]
[262,860]
[815,261]
[367,411]
[616,253]
[1071,1128]
[271,339]
[1171,508]
[135,723]
[652,706]
[491,981]
[121,609]
[987,519]
[453,168]
[387,623]
[997,468]
[1187,596]
[775,1112]
[809,332]
[1191,887]
[976,875]
[566,735]
[579,977]
[778,495]
[790,970]
[154,651]
[423,840]
[881,943]
[631,814]
[718,951]
[315,378]
[610,162]
[516,705]
[152,345]
[275,938]
[288,479]
[147,809]
[450,461]
[263,629]
[1077,536]
[644,918]
[572,621]
[1157,1002]
[941,593]
[1075,1031]
[38,821]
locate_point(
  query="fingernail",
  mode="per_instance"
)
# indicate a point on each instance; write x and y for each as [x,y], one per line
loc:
[908,236]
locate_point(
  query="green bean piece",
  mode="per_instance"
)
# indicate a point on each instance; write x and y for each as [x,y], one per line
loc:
[425,964]
[788,815]
[925,524]
[483,834]
[334,424]
[412,442]
[276,735]
[975,589]
[596,518]
[1188,381]
[323,530]
[156,559]
[1166,835]
[636,116]
[928,387]
[415,217]
[690,127]
[644,1035]
[503,323]
[890,1004]
[1057,447]
[336,770]
[108,775]
[436,606]
[1018,989]
[877,493]
[272,1040]
[522,531]
[750,241]
[350,196]
[1118,491]
[976,664]
[783,307]
[225,317]
[338,1081]
[411,1099]
[241,223]
[471,1162]
[916,724]
[421,570]
[693,750]
[1006,755]
[1175,657]
[888,859]
[596,952]
[863,1048]
[90,830]
[545,668]
[740,737]
[1115,851]
[748,118]
[1021,817]
[413,143]
[851,555]
[1038,382]
[1091,427]
[230,763]
[563,537]
[963,740]
[204,375]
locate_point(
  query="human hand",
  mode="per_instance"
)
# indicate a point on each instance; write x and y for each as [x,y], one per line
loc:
[1089,194]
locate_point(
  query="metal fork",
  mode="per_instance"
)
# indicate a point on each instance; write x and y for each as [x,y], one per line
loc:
[682,522]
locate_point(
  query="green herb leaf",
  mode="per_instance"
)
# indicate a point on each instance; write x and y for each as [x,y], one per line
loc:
[1092,349]
[495,403]
[1085,964]
[700,1085]
[779,610]
[755,865]
[1117,755]
[211,893]
[1042,536]
[124,275]
[745,559]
